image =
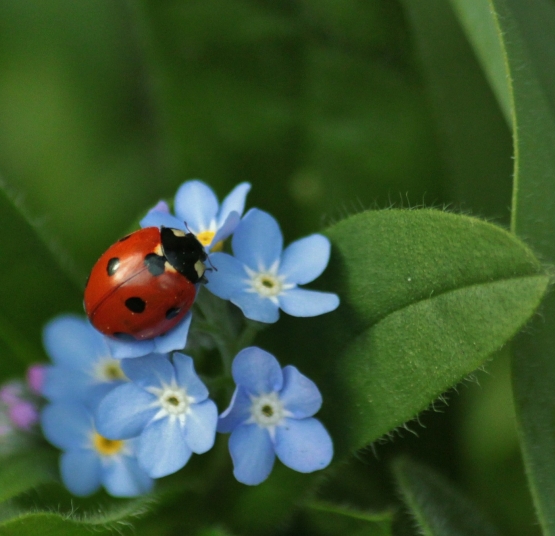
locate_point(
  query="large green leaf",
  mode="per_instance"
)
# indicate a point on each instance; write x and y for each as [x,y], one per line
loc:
[33,286]
[438,508]
[99,517]
[50,524]
[427,297]
[526,35]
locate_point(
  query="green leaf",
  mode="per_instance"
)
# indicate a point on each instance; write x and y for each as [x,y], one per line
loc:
[427,297]
[334,519]
[114,518]
[482,31]
[24,471]
[48,524]
[526,34]
[34,287]
[438,508]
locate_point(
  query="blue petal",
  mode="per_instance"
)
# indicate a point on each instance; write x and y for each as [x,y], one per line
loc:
[228,277]
[257,371]
[175,338]
[301,302]
[256,307]
[226,228]
[234,202]
[257,241]
[200,426]
[123,477]
[156,218]
[124,412]
[304,260]
[303,445]
[81,471]
[149,371]
[97,392]
[67,425]
[196,204]
[299,395]
[71,341]
[61,382]
[237,412]
[162,449]
[121,349]
[252,453]
[188,378]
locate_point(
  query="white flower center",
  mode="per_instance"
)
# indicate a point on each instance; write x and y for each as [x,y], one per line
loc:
[267,285]
[175,401]
[108,370]
[267,410]
[172,400]
[266,282]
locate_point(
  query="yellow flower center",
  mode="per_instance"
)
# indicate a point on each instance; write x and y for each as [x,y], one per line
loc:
[106,447]
[108,369]
[206,237]
[112,370]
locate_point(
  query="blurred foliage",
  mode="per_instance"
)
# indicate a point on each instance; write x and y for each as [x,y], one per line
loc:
[328,107]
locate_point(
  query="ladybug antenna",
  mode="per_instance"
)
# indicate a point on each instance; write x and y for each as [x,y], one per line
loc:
[187,227]
[212,267]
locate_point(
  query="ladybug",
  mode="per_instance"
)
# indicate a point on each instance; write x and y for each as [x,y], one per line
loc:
[144,284]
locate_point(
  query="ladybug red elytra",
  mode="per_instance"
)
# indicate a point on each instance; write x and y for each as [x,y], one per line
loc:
[144,284]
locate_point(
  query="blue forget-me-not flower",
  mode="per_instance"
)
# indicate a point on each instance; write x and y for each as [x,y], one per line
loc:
[271,414]
[90,460]
[84,368]
[167,406]
[262,278]
[197,211]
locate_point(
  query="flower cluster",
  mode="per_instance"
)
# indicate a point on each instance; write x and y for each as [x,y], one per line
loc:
[125,412]
[19,410]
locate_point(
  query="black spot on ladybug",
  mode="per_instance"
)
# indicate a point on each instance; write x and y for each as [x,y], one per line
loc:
[112,266]
[124,238]
[135,304]
[155,264]
[172,312]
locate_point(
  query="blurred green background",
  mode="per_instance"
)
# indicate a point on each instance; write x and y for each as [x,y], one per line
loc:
[328,107]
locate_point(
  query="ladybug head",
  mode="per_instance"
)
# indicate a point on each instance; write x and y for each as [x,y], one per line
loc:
[184,252]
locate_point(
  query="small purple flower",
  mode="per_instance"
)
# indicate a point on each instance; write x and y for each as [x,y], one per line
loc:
[167,406]
[35,377]
[197,210]
[11,393]
[23,415]
[84,368]
[19,406]
[271,414]
[261,278]
[90,460]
